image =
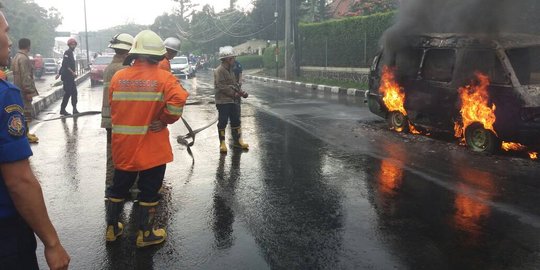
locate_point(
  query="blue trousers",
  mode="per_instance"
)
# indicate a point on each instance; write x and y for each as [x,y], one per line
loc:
[229,111]
[150,182]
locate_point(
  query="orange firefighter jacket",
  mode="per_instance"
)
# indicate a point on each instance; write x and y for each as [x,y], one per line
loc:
[165,64]
[138,95]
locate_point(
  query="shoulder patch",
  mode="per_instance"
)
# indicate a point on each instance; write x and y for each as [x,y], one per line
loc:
[14,108]
[16,125]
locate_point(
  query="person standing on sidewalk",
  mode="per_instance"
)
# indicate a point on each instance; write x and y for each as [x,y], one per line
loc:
[172,45]
[23,77]
[22,207]
[228,94]
[144,99]
[68,75]
[121,44]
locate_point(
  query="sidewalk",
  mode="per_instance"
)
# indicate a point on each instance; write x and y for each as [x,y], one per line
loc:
[50,95]
[309,86]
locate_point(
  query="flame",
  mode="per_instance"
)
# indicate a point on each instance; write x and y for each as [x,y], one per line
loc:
[533,155]
[512,146]
[474,106]
[393,94]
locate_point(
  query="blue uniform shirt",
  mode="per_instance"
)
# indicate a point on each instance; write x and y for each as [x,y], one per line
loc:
[237,69]
[14,145]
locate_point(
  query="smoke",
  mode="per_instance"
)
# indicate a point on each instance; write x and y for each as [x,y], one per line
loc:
[489,17]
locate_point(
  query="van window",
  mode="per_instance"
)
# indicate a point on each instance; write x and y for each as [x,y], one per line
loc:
[408,62]
[485,61]
[439,65]
[526,64]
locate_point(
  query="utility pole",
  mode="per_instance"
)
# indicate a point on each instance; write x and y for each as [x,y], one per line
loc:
[276,52]
[288,69]
[86,35]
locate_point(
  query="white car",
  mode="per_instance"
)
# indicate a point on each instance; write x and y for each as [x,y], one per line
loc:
[180,67]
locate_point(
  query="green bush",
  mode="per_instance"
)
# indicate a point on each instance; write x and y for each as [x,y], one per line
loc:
[340,43]
[269,58]
[250,61]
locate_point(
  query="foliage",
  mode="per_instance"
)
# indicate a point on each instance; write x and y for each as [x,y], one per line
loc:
[99,40]
[250,61]
[269,58]
[340,43]
[368,7]
[29,20]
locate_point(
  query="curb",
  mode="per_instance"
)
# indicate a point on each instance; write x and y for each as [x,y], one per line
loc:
[315,87]
[41,103]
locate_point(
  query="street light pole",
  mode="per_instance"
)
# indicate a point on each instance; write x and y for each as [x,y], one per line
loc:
[86,35]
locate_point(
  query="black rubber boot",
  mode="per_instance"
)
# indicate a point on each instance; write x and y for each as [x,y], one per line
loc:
[114,227]
[147,234]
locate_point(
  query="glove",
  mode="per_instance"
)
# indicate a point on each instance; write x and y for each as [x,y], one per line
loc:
[243,94]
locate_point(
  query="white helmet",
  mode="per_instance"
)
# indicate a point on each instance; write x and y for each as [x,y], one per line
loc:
[172,43]
[226,52]
[149,43]
[121,41]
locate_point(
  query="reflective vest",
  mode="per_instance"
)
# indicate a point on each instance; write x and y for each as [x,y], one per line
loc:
[165,64]
[139,95]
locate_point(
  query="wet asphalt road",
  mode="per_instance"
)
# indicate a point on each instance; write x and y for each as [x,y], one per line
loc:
[324,186]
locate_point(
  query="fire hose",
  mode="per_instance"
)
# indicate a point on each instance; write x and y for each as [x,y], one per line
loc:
[183,140]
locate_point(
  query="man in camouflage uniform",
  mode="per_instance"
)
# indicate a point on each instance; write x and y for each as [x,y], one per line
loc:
[23,77]
[121,44]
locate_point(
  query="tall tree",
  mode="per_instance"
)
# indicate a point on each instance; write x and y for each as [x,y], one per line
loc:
[29,20]
[185,8]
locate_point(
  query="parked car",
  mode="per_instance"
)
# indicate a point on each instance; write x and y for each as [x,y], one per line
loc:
[50,65]
[430,69]
[97,67]
[180,67]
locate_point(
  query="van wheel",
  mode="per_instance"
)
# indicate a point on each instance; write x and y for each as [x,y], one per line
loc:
[481,140]
[398,122]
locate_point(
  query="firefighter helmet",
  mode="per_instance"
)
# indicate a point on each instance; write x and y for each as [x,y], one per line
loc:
[72,41]
[172,43]
[148,43]
[226,52]
[121,41]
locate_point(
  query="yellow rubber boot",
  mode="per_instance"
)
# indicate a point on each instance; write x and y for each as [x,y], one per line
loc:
[114,228]
[147,234]
[222,144]
[237,137]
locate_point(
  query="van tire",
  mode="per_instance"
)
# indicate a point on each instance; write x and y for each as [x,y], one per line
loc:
[481,140]
[397,121]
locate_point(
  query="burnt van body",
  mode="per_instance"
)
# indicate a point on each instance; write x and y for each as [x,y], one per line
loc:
[432,67]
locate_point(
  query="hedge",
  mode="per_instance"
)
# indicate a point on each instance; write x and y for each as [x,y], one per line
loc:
[340,43]
[250,61]
[269,58]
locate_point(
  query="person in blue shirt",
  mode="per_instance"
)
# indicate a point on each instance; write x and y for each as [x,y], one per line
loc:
[237,69]
[22,208]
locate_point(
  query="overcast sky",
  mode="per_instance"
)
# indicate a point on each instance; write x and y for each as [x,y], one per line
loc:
[102,14]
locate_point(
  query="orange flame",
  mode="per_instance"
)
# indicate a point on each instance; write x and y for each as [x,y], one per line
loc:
[512,146]
[533,155]
[474,106]
[393,94]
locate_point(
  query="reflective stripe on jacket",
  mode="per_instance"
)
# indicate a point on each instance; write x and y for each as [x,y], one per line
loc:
[139,95]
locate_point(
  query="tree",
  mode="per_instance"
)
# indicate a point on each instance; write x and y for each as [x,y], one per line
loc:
[29,20]
[368,7]
[185,8]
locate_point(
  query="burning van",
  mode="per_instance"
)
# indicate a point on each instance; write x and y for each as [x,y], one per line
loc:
[484,89]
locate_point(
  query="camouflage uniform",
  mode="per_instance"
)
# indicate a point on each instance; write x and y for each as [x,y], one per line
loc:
[23,77]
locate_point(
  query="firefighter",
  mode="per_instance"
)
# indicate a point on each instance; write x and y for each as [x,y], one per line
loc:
[144,99]
[172,45]
[228,94]
[23,77]
[121,44]
[68,75]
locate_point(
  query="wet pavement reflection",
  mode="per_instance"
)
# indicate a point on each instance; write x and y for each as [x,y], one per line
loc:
[323,186]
